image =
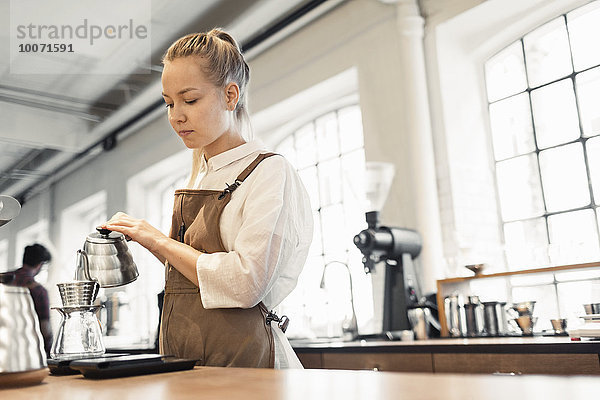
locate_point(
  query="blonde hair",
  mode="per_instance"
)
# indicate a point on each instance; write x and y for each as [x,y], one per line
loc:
[224,63]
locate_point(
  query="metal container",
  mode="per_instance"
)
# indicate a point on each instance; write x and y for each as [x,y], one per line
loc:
[502,319]
[559,326]
[455,316]
[78,293]
[526,324]
[474,317]
[419,318]
[491,317]
[106,258]
[21,343]
[592,308]
[524,308]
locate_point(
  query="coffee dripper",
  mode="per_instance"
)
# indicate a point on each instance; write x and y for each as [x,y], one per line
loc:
[524,318]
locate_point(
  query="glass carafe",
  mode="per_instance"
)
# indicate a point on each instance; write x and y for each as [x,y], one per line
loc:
[79,334]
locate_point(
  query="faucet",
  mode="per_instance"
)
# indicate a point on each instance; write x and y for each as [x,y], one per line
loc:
[349,328]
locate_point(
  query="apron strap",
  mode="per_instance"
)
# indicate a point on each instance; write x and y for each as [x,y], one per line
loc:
[241,177]
[253,165]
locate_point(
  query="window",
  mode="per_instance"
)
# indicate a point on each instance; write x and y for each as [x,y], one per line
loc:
[543,93]
[545,124]
[4,256]
[328,153]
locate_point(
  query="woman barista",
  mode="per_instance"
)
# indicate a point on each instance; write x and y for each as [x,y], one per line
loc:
[241,230]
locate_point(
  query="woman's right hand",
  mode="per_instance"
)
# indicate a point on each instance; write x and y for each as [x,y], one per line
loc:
[139,230]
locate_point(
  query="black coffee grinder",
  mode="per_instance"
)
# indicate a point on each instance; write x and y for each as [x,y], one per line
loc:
[396,247]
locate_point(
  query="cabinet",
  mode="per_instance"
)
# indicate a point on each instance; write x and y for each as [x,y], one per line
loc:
[536,355]
[396,362]
[552,364]
[485,363]
[421,362]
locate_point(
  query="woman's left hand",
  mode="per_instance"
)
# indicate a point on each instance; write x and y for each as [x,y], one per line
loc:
[138,230]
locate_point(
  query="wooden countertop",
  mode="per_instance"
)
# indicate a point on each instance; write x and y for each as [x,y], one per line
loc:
[250,384]
[533,344]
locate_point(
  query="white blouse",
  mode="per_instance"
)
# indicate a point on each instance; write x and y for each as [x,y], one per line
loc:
[266,228]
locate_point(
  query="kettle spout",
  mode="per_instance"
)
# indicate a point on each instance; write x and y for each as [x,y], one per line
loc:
[82,271]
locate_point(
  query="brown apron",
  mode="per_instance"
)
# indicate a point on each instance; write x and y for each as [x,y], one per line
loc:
[231,337]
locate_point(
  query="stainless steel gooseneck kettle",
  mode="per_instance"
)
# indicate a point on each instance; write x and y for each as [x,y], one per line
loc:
[106,259]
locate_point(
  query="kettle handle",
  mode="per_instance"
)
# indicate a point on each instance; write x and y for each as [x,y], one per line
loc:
[82,255]
[103,231]
[106,232]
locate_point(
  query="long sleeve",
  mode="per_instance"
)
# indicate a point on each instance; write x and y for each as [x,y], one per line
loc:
[267,228]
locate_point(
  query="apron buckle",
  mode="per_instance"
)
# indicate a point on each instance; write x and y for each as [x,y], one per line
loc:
[282,322]
[229,188]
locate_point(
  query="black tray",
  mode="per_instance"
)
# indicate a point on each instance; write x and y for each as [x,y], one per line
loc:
[134,364]
[62,367]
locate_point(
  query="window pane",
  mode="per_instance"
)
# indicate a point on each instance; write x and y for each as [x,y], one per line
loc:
[593,156]
[531,279]
[316,247]
[519,188]
[578,275]
[564,178]
[510,121]
[311,183]
[332,218]
[584,31]
[286,149]
[573,237]
[555,114]
[327,136]
[505,73]
[526,244]
[351,132]
[4,256]
[588,95]
[330,176]
[545,306]
[547,53]
[306,146]
[353,167]
[573,296]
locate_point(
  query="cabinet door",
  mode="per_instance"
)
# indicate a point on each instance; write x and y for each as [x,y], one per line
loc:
[400,362]
[310,360]
[555,364]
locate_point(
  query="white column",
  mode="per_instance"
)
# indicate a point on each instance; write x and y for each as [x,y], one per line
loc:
[417,127]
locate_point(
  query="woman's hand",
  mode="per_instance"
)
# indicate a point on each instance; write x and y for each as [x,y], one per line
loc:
[138,230]
[180,255]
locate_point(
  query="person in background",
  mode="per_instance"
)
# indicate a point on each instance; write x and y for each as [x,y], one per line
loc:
[34,258]
[242,228]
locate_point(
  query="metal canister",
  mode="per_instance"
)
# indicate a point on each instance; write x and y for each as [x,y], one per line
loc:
[455,316]
[491,317]
[474,317]
[501,318]
[21,342]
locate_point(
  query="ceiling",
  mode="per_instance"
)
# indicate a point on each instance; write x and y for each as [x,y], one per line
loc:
[50,121]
